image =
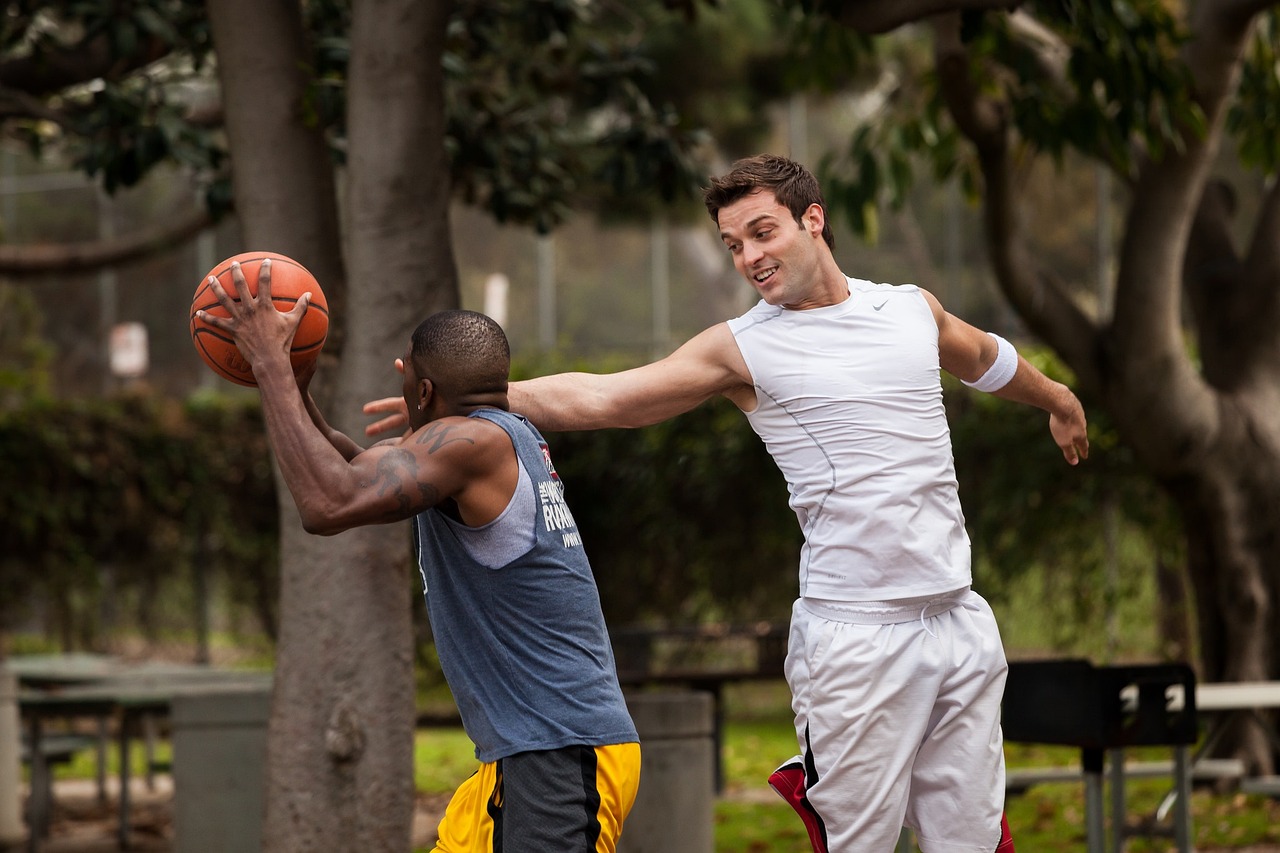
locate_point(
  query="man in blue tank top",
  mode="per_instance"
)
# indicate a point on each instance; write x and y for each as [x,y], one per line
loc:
[513,603]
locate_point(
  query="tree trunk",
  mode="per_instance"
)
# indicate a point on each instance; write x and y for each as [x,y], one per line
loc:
[1230,505]
[1207,431]
[1173,617]
[339,756]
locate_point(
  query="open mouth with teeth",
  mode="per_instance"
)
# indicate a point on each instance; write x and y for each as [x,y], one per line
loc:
[762,277]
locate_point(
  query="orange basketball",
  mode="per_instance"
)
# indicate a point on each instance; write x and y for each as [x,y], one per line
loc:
[289,280]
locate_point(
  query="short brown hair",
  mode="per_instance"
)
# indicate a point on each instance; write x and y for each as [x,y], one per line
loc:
[792,185]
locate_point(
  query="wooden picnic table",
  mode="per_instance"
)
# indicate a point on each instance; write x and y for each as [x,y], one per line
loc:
[101,688]
[1224,701]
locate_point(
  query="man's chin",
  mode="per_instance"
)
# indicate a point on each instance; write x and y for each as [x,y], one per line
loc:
[771,295]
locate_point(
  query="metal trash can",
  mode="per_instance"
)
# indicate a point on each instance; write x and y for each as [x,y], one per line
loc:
[219,758]
[1099,709]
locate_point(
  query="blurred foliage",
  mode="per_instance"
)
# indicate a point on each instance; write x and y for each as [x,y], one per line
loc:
[684,521]
[1122,89]
[550,104]
[143,485]
[114,119]
[1254,118]
[24,355]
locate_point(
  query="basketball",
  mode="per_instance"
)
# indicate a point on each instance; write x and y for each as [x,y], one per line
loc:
[289,280]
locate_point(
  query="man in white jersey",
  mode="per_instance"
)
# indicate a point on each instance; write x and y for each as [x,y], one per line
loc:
[895,666]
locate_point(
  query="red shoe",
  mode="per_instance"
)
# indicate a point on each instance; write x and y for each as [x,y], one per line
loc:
[789,781]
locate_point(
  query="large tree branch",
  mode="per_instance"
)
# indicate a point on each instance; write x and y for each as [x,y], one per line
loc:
[43,259]
[1049,52]
[1212,271]
[1240,13]
[1156,378]
[16,104]
[1264,249]
[881,17]
[1038,297]
[1262,275]
[48,71]
[1235,300]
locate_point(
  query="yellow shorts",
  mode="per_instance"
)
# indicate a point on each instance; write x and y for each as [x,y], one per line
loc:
[567,800]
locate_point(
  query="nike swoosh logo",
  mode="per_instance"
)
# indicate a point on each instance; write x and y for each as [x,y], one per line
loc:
[881,305]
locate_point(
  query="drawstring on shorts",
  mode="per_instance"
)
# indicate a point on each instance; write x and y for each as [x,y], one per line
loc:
[924,624]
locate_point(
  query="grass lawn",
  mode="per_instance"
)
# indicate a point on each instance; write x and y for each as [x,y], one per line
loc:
[750,819]
[1047,819]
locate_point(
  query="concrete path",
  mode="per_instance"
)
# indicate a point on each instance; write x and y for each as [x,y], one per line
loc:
[82,823]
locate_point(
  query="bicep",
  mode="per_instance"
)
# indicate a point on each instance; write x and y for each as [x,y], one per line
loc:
[396,480]
[394,483]
[964,351]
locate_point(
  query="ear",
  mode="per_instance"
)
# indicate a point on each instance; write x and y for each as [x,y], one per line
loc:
[426,391]
[815,219]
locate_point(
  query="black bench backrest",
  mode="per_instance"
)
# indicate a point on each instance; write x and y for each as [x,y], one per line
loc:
[1074,703]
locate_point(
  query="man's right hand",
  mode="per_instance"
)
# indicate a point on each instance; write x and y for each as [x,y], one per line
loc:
[396,420]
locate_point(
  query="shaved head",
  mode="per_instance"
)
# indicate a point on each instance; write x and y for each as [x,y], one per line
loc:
[463,353]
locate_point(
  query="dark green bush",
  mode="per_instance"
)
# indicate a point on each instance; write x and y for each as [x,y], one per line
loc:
[684,521]
[148,487]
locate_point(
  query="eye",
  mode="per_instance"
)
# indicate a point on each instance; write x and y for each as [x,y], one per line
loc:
[734,248]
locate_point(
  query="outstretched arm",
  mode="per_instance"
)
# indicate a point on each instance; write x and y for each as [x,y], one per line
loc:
[707,365]
[972,355]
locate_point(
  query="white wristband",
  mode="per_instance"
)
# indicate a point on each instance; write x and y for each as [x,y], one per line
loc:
[1001,370]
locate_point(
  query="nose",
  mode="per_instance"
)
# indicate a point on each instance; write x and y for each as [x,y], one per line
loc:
[750,252]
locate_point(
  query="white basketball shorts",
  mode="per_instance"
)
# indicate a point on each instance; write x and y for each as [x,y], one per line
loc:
[898,708]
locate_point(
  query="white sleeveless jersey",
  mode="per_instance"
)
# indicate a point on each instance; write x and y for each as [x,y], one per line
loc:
[849,404]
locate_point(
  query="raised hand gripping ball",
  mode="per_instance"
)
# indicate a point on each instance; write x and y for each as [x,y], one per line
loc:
[289,280]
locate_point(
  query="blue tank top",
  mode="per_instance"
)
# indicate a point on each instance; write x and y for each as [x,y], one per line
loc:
[524,645]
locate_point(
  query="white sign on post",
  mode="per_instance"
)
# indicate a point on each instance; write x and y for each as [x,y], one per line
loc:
[129,358]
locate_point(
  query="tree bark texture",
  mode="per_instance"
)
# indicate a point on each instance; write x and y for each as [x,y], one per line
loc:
[340,737]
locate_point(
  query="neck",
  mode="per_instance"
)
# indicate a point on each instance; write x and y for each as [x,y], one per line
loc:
[832,290]
[468,403]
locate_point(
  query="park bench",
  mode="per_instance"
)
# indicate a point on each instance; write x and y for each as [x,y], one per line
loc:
[1102,710]
[1248,701]
[1267,786]
[1105,709]
[1204,771]
[54,750]
[60,748]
